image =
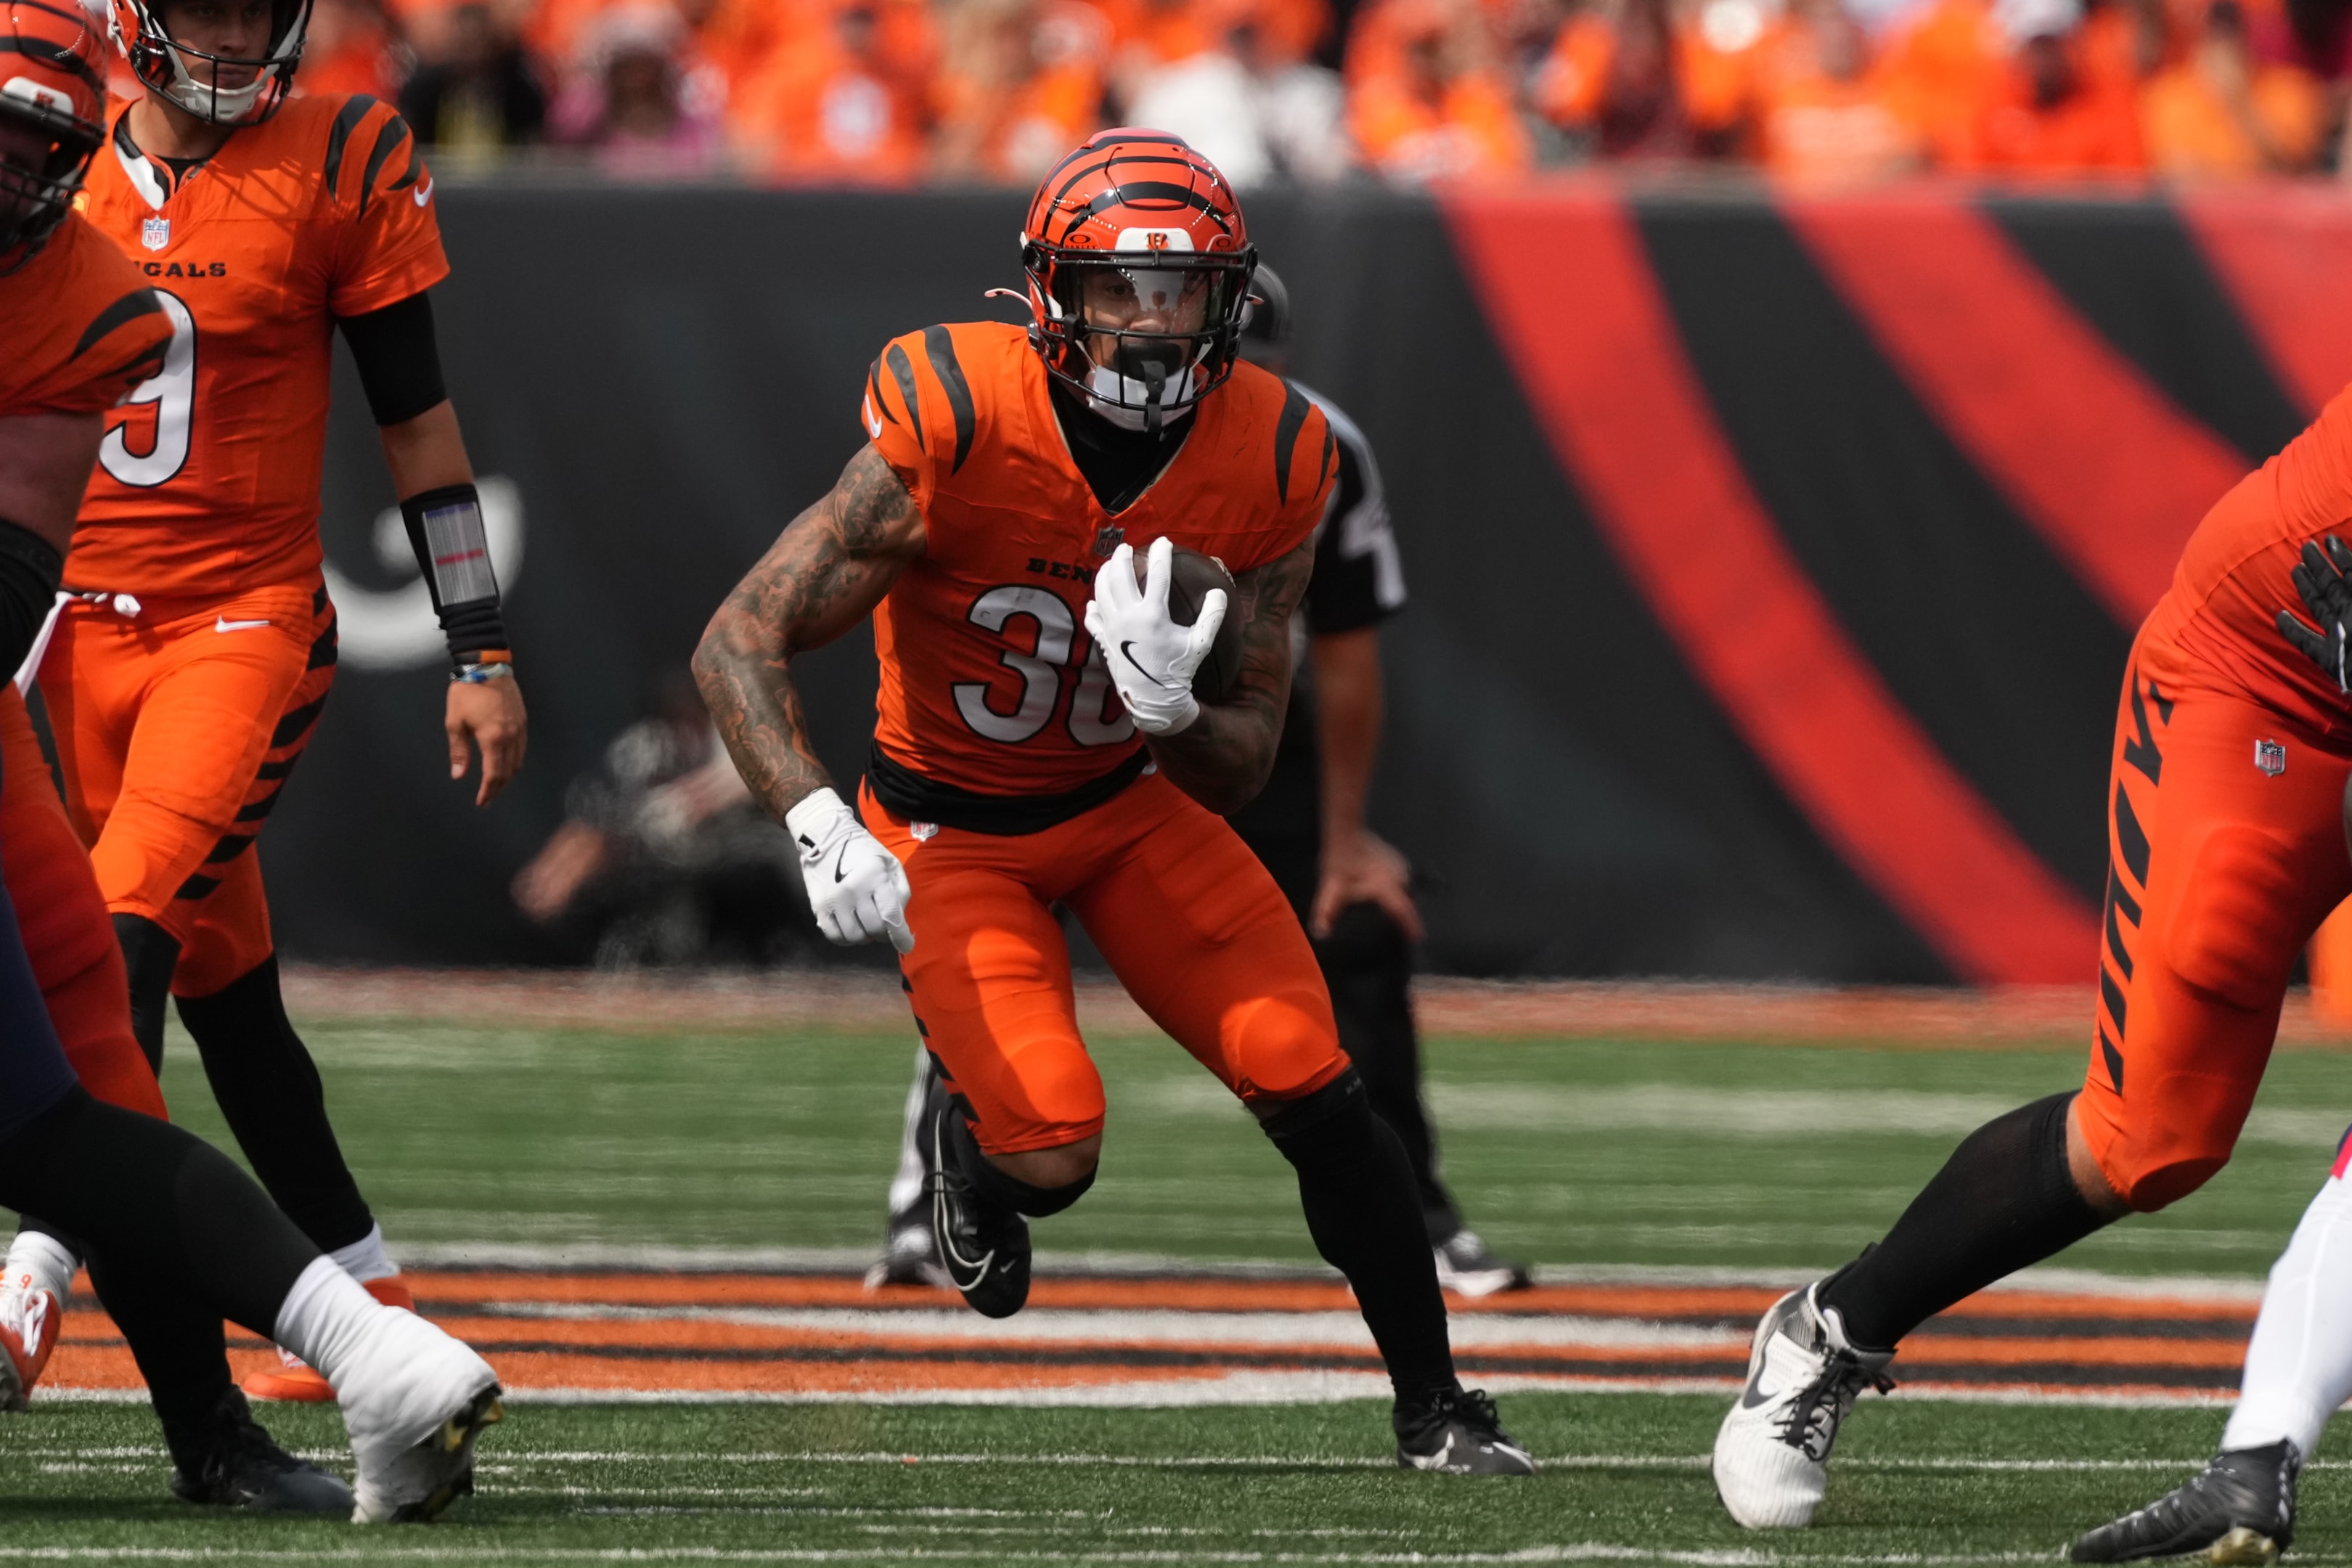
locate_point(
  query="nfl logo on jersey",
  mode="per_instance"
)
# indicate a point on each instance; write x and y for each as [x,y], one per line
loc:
[156,233]
[2271,757]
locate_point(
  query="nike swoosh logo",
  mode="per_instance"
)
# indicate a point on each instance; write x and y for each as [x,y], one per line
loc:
[1125,654]
[838,872]
[423,193]
[222,623]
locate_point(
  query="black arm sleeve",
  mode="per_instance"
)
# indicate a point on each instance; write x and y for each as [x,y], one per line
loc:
[400,364]
[30,568]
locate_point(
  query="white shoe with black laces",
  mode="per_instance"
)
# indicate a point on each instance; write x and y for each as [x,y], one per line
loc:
[1772,1452]
[1458,1432]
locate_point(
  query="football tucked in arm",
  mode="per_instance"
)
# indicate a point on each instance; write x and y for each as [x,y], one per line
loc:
[1191,577]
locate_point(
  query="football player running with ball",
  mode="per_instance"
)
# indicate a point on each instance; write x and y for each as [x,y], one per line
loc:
[1039,742]
[2225,852]
[1353,891]
[189,663]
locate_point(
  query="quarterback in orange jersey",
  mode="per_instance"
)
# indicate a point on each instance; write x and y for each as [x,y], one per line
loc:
[177,1237]
[2225,830]
[1039,742]
[195,644]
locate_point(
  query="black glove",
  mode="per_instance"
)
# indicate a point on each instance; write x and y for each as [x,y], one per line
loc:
[2327,593]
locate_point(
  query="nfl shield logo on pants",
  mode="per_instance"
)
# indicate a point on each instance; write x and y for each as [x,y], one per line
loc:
[2271,757]
[156,233]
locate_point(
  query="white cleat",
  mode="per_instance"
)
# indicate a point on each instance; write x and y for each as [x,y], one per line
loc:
[1772,1452]
[29,1320]
[414,1400]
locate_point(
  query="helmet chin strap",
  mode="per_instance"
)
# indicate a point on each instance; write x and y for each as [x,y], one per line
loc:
[1113,396]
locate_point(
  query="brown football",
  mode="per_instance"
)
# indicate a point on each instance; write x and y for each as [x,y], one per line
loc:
[1191,577]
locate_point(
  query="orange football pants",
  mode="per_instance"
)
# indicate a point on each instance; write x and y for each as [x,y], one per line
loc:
[2225,843]
[1190,922]
[175,730]
[67,935]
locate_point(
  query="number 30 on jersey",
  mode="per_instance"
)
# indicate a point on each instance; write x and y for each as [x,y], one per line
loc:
[1014,613]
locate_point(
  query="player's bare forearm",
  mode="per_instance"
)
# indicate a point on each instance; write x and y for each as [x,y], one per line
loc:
[1347,712]
[45,463]
[427,453]
[824,573]
[1221,759]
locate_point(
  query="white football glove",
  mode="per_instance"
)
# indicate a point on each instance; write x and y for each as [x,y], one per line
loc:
[1151,659]
[855,884]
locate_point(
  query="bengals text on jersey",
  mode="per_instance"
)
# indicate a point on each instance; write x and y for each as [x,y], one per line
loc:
[209,484]
[990,684]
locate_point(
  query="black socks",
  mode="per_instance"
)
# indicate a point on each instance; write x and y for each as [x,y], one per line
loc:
[269,1092]
[157,1200]
[2005,1199]
[1368,963]
[1364,1209]
[150,954]
[964,1154]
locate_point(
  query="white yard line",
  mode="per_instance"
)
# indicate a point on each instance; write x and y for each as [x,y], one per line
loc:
[1114,1326]
[637,1258]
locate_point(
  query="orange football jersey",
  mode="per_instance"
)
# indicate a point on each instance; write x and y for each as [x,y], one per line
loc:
[82,326]
[208,483]
[2218,617]
[990,683]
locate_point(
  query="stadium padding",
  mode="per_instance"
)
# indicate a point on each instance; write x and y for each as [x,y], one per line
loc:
[1570,756]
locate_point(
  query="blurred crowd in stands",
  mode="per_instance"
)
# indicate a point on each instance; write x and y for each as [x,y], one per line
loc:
[1827,92]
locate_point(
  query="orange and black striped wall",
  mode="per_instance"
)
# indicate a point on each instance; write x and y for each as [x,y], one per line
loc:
[1774,561]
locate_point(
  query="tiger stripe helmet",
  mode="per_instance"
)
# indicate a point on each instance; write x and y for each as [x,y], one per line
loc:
[52,117]
[1138,265]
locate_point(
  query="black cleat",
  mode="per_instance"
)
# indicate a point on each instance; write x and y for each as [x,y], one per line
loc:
[234,1464]
[2241,1508]
[1458,1432]
[985,1249]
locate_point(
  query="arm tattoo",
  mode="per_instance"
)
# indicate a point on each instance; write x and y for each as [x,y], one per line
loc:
[824,573]
[1221,759]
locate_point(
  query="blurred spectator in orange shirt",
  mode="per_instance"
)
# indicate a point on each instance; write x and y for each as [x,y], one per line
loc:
[477,92]
[2051,114]
[1640,84]
[2222,113]
[1427,99]
[627,99]
[1021,81]
[1940,72]
[351,47]
[1825,122]
[843,105]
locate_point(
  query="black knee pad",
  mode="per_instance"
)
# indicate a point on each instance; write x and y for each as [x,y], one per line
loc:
[1002,1191]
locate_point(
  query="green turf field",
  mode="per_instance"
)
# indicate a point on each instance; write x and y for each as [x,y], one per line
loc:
[1283,1485]
[1584,1152]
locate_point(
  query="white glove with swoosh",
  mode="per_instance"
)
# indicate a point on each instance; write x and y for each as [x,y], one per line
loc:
[1151,659]
[855,886]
